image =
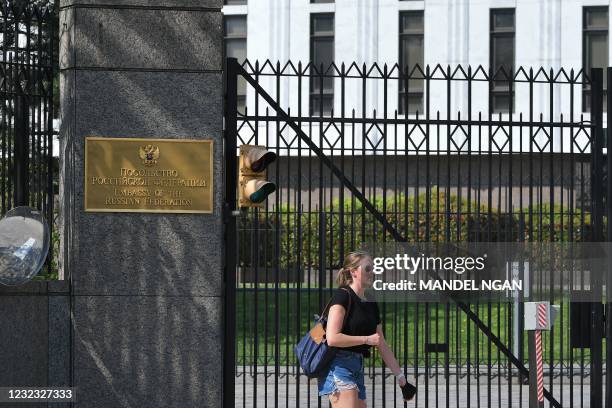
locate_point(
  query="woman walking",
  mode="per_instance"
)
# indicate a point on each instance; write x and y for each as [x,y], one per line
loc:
[354,335]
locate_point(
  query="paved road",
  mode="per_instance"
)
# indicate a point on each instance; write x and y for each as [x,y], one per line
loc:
[250,393]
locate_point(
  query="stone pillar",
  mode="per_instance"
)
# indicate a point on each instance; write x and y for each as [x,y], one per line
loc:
[146,288]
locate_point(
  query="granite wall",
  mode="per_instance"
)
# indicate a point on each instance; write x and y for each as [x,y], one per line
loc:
[146,289]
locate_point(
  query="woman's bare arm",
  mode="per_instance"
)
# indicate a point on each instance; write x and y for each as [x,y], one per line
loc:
[387,355]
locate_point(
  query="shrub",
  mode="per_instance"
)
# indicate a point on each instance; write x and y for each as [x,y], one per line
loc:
[442,218]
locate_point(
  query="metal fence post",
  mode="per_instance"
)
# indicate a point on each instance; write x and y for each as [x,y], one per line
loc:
[596,397]
[22,152]
[608,212]
[231,177]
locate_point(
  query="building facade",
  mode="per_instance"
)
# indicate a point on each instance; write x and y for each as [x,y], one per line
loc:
[548,34]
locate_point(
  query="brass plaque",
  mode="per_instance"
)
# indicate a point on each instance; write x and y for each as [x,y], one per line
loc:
[148,175]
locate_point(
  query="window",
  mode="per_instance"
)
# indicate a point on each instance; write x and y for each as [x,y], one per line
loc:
[594,48]
[234,33]
[321,55]
[411,40]
[232,2]
[501,56]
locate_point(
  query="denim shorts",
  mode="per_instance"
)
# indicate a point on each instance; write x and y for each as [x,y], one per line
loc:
[345,372]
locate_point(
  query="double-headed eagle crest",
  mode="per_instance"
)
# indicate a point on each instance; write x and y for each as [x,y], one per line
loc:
[149,154]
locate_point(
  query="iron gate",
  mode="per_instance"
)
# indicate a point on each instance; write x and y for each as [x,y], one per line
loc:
[27,61]
[353,169]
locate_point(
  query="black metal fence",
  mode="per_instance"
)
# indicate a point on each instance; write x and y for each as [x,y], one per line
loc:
[26,93]
[365,173]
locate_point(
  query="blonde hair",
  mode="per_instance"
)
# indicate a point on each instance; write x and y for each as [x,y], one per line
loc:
[351,262]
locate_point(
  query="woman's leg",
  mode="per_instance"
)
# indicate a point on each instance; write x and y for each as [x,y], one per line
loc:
[346,399]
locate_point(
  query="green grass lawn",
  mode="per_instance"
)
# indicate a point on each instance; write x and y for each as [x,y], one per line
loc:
[284,316]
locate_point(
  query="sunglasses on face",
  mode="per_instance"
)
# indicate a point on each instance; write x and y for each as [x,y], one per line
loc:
[368,268]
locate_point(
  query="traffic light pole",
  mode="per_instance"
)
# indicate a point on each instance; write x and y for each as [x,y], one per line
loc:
[608,212]
[597,328]
[229,206]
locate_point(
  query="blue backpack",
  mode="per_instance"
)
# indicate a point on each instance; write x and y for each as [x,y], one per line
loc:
[313,353]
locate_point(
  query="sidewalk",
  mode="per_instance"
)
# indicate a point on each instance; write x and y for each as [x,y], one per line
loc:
[265,393]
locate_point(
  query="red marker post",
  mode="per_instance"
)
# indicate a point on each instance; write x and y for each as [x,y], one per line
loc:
[539,316]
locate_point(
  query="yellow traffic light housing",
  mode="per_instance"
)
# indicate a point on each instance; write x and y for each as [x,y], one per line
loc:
[253,187]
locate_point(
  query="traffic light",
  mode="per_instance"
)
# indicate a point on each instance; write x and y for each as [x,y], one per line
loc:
[604,183]
[253,186]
